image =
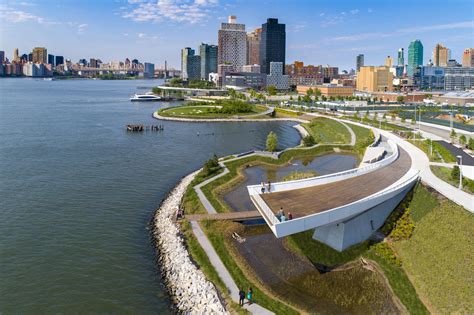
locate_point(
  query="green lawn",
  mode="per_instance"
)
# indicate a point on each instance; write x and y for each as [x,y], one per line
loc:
[385,125]
[444,173]
[439,255]
[364,137]
[326,130]
[208,110]
[440,153]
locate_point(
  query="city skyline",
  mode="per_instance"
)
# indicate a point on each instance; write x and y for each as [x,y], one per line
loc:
[323,33]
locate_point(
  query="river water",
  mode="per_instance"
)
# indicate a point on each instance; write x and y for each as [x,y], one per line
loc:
[77,192]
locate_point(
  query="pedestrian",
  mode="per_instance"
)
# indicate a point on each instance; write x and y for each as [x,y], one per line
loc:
[263,188]
[290,216]
[241,297]
[283,218]
[250,295]
[269,186]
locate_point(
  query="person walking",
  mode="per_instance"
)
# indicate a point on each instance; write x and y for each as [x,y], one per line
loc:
[241,297]
[250,295]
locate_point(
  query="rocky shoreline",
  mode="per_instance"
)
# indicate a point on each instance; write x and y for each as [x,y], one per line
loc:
[188,286]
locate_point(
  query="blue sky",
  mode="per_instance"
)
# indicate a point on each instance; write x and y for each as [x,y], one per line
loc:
[318,32]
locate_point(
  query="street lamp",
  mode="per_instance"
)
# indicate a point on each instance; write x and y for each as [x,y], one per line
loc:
[459,160]
[431,147]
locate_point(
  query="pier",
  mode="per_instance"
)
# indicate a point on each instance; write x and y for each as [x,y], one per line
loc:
[142,128]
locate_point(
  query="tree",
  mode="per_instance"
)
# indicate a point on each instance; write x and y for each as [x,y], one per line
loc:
[309,92]
[232,93]
[400,99]
[272,142]
[317,92]
[470,144]
[272,90]
[452,135]
[309,141]
[455,172]
[462,140]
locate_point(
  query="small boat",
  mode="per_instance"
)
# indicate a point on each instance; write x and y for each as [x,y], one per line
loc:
[145,97]
[48,79]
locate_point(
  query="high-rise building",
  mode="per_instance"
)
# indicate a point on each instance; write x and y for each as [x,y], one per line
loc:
[401,57]
[468,57]
[415,56]
[232,44]
[388,62]
[441,55]
[458,78]
[276,77]
[272,44]
[190,64]
[149,70]
[59,60]
[16,55]
[253,47]
[374,79]
[93,63]
[2,56]
[208,55]
[359,61]
[51,59]
[40,55]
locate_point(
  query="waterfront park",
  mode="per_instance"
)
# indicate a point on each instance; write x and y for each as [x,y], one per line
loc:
[418,260]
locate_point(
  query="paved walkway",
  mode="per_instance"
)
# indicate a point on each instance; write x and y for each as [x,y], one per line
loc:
[224,216]
[421,162]
[222,271]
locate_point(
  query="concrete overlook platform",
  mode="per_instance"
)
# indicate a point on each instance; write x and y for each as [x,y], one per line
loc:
[343,208]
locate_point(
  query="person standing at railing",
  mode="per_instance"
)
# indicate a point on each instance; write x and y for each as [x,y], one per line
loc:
[263,188]
[290,216]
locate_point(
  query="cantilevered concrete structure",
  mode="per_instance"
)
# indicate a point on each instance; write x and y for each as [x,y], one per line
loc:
[343,208]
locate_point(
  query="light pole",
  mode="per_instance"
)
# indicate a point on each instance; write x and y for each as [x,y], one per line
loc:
[431,147]
[459,160]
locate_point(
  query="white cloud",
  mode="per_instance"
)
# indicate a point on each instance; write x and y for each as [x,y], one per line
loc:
[321,14]
[369,10]
[450,26]
[18,16]
[354,11]
[144,36]
[81,28]
[189,11]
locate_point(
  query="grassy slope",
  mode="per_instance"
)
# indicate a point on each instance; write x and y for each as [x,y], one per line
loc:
[444,173]
[191,111]
[438,257]
[364,137]
[216,233]
[328,130]
[200,257]
[320,253]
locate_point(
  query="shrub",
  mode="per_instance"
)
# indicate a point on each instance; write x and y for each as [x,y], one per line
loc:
[272,142]
[403,227]
[455,172]
[309,141]
[471,144]
[384,250]
[211,166]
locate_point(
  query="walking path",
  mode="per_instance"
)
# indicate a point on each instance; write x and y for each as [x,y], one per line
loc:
[224,275]
[421,162]
[467,170]
[207,204]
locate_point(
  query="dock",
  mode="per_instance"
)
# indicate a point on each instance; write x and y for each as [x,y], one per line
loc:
[142,128]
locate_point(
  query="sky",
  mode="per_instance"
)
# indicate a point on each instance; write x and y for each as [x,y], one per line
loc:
[318,32]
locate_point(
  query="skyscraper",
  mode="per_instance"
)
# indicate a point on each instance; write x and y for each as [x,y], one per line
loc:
[468,57]
[253,47]
[51,59]
[441,55]
[401,57]
[359,61]
[272,44]
[190,64]
[59,60]
[16,55]
[208,55]
[388,62]
[40,55]
[415,57]
[149,70]
[2,56]
[232,44]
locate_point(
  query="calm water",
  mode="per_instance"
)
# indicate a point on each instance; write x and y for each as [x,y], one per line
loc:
[238,198]
[77,192]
